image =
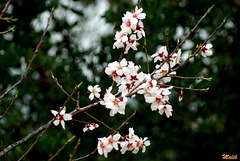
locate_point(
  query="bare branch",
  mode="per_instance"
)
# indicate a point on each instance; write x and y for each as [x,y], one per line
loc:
[5,155]
[25,139]
[30,148]
[99,121]
[68,141]
[74,150]
[14,98]
[5,9]
[33,57]
[60,86]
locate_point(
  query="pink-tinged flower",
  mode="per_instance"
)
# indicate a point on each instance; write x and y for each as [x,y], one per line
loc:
[139,30]
[163,73]
[161,55]
[94,91]
[126,146]
[133,143]
[113,141]
[131,43]
[141,143]
[206,50]
[103,148]
[106,145]
[90,127]
[61,117]
[167,109]
[175,58]
[120,38]
[134,17]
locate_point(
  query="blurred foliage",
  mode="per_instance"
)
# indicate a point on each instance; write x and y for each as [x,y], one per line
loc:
[203,126]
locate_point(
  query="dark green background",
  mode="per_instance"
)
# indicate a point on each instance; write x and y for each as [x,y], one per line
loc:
[203,126]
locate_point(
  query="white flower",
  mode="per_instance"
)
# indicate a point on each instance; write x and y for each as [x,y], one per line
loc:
[206,50]
[103,147]
[167,109]
[133,142]
[106,145]
[141,143]
[94,91]
[162,72]
[90,127]
[120,38]
[134,17]
[131,43]
[113,141]
[161,55]
[139,30]
[61,117]
[175,58]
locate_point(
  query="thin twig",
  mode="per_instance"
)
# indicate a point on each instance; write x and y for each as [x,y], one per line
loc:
[183,41]
[68,141]
[145,48]
[138,3]
[82,109]
[125,122]
[60,86]
[181,77]
[14,98]
[26,138]
[5,32]
[33,57]
[93,152]
[185,88]
[99,121]
[70,96]
[75,149]
[30,148]
[5,8]
[5,155]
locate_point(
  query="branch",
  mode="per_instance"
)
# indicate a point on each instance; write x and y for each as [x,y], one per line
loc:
[124,123]
[10,30]
[33,57]
[5,8]
[68,141]
[185,88]
[14,98]
[5,155]
[74,150]
[60,86]
[25,139]
[30,148]
[99,121]
[180,44]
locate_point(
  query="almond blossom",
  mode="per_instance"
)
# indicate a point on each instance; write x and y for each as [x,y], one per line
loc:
[167,109]
[161,55]
[94,91]
[106,145]
[90,127]
[133,143]
[61,117]
[206,50]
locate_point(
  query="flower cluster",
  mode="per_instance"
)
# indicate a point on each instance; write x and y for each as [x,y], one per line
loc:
[125,74]
[157,96]
[116,105]
[165,69]
[130,142]
[131,30]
